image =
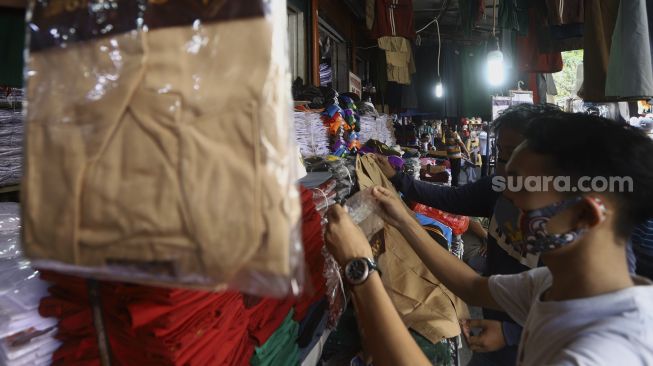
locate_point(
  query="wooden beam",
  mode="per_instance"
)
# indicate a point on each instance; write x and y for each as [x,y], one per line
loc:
[315,44]
[13,3]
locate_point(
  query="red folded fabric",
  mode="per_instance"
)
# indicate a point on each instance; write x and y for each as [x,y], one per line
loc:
[161,326]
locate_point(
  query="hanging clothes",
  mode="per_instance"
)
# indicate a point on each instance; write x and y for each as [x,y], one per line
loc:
[394,18]
[513,14]
[531,55]
[630,69]
[600,20]
[399,59]
[565,11]
[369,13]
[566,37]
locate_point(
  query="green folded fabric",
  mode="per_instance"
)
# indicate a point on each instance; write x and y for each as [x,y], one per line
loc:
[281,348]
[438,353]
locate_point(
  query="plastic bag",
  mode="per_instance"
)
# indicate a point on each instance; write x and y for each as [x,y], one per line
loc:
[363,208]
[457,223]
[160,145]
[20,289]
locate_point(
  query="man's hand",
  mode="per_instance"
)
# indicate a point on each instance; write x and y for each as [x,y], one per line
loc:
[490,338]
[393,210]
[344,239]
[387,169]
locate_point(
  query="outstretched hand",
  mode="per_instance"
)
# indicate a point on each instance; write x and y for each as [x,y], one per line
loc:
[345,240]
[393,210]
[385,166]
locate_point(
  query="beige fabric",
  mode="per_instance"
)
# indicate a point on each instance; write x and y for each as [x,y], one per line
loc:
[369,13]
[166,151]
[424,304]
[399,59]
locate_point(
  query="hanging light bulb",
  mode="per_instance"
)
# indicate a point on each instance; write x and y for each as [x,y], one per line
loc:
[496,71]
[439,90]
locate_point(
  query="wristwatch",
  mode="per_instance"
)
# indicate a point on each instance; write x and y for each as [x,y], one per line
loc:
[359,269]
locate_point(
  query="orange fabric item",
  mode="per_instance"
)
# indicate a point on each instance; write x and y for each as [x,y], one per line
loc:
[459,224]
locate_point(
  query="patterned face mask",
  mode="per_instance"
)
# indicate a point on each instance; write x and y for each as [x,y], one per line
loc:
[527,229]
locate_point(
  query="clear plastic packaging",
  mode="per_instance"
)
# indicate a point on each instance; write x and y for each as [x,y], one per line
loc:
[362,208]
[23,332]
[160,146]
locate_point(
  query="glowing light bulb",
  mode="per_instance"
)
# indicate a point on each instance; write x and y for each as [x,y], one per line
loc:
[496,72]
[439,90]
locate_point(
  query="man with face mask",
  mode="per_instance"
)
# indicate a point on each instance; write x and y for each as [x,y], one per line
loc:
[583,307]
[497,342]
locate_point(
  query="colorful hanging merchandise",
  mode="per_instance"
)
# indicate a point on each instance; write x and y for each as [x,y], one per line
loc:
[343,123]
[353,119]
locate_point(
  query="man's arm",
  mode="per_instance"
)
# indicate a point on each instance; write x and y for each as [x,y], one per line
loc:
[474,199]
[458,277]
[384,335]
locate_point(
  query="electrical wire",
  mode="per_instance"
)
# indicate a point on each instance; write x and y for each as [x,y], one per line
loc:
[437,25]
[494,19]
[445,5]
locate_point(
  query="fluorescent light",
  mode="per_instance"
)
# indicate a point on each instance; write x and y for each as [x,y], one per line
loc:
[496,72]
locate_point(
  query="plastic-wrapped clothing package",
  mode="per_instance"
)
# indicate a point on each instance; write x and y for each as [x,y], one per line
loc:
[159,134]
[11,138]
[423,302]
[25,337]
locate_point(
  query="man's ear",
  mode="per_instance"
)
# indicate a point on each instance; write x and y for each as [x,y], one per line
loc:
[594,211]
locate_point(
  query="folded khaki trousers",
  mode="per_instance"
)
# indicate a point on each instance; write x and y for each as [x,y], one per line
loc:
[165,153]
[423,302]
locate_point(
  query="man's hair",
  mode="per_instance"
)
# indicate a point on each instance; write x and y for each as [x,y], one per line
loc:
[581,145]
[518,116]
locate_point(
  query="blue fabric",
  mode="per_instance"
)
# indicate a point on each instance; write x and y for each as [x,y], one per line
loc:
[332,110]
[446,230]
[642,246]
[630,257]
[511,333]
[506,356]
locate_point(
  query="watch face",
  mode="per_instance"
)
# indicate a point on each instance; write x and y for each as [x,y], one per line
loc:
[357,271]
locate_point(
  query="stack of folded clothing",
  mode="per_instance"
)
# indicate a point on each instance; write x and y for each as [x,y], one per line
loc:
[147,325]
[11,144]
[162,326]
[344,171]
[313,243]
[281,348]
[25,337]
[311,134]
[323,186]
[325,196]
[377,128]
